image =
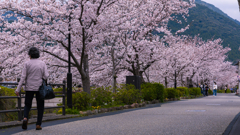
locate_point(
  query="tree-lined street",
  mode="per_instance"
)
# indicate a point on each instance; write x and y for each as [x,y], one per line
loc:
[111,39]
[94,45]
[202,116]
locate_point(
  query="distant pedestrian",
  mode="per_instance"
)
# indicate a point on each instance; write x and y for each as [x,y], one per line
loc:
[203,90]
[225,89]
[33,72]
[215,89]
[206,89]
[231,90]
[201,87]
[235,89]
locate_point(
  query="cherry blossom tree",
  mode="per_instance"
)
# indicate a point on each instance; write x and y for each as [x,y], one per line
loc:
[192,58]
[109,40]
[47,24]
[143,47]
[108,63]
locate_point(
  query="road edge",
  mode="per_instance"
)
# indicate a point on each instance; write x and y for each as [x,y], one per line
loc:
[230,126]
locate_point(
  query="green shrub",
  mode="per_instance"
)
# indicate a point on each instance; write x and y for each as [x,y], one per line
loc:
[101,96]
[59,90]
[7,104]
[223,91]
[151,91]
[127,94]
[184,92]
[159,88]
[165,93]
[80,100]
[228,91]
[178,94]
[148,92]
[210,92]
[72,111]
[220,91]
[195,91]
[171,93]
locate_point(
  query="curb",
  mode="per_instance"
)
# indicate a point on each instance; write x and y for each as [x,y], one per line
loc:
[34,120]
[230,126]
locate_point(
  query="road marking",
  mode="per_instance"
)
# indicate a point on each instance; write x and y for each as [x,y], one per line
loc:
[196,110]
[213,104]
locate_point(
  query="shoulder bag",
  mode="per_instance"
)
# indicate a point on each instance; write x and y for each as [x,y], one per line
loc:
[46,91]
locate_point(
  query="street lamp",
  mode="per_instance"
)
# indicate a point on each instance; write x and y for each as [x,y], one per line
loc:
[69,74]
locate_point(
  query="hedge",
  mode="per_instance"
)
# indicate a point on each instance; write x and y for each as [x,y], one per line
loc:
[195,91]
[127,94]
[151,91]
[7,104]
[184,91]
[101,96]
[171,93]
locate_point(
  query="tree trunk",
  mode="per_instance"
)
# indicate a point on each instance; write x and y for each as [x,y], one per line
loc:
[182,81]
[114,84]
[187,82]
[114,77]
[142,79]
[166,82]
[86,79]
[147,76]
[86,84]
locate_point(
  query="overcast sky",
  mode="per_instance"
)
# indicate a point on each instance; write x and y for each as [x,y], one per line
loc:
[229,7]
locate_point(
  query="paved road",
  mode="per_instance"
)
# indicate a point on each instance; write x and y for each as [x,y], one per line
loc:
[203,116]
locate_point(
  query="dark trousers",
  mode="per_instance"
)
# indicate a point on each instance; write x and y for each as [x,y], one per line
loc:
[28,105]
[206,92]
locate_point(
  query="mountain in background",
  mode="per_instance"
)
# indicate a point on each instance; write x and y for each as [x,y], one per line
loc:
[211,23]
[212,7]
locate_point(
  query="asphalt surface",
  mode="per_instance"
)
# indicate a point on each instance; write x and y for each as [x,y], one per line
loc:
[202,116]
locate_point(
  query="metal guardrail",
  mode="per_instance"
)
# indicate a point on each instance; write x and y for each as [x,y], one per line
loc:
[19,108]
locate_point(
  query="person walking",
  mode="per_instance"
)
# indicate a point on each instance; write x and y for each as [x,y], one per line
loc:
[33,72]
[215,89]
[226,89]
[206,89]
[201,87]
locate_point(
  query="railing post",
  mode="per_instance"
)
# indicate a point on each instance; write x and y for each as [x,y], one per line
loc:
[63,99]
[19,107]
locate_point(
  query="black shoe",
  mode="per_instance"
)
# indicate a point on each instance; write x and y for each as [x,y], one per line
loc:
[24,125]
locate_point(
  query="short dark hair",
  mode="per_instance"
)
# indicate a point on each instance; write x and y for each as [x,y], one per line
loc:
[34,52]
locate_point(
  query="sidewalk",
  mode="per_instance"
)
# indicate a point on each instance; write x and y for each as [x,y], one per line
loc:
[34,120]
[52,117]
